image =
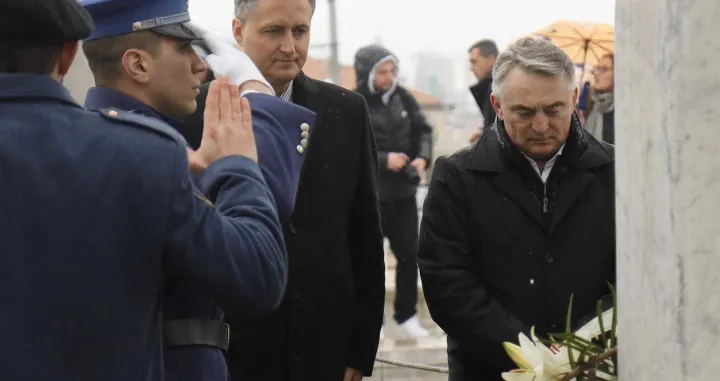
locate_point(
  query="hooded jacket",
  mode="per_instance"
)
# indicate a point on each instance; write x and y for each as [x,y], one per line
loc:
[397,121]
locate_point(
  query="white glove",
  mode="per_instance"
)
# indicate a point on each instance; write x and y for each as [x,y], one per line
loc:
[226,60]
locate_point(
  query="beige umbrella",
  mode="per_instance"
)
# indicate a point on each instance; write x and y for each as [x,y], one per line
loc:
[584,43]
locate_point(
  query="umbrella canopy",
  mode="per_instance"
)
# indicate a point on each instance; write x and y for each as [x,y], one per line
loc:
[584,43]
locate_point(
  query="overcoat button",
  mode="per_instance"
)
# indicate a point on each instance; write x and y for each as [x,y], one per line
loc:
[292,228]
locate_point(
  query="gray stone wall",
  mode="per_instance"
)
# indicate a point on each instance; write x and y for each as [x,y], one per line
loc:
[667,79]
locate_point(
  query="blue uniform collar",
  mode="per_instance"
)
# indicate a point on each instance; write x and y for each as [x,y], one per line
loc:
[101,97]
[33,86]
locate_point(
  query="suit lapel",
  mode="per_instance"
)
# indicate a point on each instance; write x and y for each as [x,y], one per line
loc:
[488,156]
[305,94]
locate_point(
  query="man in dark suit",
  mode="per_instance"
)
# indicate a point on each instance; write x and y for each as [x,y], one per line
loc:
[98,210]
[328,326]
[516,224]
[153,71]
[482,58]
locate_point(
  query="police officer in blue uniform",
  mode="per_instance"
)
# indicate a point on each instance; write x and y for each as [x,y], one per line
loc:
[143,60]
[97,210]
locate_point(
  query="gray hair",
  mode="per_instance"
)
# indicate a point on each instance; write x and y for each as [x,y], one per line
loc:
[244,7]
[536,56]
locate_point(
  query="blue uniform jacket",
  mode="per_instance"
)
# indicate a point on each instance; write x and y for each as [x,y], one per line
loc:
[280,164]
[97,211]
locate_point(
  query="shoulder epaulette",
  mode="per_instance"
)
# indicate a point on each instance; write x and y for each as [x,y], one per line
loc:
[138,120]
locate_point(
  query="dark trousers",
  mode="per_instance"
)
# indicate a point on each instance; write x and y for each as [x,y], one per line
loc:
[400,227]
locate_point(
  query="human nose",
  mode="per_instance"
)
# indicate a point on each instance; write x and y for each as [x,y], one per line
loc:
[287,45]
[198,65]
[541,123]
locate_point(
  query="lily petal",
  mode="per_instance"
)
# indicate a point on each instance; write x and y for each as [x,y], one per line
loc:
[517,354]
[530,350]
[521,375]
[592,330]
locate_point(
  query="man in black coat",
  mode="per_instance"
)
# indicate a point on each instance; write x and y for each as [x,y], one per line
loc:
[328,326]
[482,58]
[515,224]
[404,143]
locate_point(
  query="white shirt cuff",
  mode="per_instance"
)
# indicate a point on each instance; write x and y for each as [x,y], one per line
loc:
[246,92]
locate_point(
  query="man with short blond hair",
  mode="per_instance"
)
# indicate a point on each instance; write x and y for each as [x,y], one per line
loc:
[328,326]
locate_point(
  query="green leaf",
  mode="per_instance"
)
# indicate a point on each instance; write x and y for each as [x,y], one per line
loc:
[568,329]
[598,308]
[572,338]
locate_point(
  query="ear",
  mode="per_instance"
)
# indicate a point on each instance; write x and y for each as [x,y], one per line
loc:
[67,56]
[238,31]
[138,65]
[576,95]
[496,105]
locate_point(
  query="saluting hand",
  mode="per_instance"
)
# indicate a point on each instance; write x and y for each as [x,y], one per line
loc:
[227,127]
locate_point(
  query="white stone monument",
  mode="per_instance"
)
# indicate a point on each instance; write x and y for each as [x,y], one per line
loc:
[667,75]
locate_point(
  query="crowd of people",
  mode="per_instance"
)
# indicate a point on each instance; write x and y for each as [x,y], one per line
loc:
[212,213]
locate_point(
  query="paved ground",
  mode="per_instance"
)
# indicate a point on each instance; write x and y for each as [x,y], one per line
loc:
[427,351]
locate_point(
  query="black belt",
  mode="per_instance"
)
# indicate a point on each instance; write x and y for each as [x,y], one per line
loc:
[184,332]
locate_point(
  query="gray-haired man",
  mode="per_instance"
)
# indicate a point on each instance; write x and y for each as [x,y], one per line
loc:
[517,223]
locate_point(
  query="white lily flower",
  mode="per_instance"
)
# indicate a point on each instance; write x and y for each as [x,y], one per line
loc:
[591,330]
[536,361]
[539,363]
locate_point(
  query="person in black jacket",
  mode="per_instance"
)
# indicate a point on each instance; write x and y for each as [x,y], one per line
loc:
[328,325]
[516,224]
[404,143]
[482,59]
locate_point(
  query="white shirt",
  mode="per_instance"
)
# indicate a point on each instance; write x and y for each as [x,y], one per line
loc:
[287,94]
[545,173]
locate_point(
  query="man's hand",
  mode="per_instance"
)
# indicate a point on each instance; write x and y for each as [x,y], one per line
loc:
[420,165]
[227,60]
[352,375]
[475,137]
[227,127]
[396,161]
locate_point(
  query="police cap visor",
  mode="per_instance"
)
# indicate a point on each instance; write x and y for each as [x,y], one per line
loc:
[177,31]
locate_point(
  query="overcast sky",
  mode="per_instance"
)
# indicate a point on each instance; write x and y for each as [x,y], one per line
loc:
[409,26]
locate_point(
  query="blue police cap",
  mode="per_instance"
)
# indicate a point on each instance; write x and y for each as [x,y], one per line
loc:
[117,17]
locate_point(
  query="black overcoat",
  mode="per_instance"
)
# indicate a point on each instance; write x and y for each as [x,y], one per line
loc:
[332,312]
[499,252]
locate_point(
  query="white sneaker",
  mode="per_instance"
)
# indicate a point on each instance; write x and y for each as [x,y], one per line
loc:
[382,333]
[412,328]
